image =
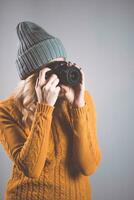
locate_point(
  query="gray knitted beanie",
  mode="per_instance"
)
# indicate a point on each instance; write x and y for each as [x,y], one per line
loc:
[36,47]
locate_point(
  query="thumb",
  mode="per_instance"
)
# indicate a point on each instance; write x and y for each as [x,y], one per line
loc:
[64,88]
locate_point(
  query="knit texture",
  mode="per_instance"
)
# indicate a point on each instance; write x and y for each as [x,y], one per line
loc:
[53,158]
[36,48]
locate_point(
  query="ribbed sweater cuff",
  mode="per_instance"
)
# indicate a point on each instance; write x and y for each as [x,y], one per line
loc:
[78,112]
[45,108]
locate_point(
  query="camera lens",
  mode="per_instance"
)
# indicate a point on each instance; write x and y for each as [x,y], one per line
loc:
[74,76]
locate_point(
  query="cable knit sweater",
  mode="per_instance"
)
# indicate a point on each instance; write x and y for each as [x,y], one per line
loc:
[54,157]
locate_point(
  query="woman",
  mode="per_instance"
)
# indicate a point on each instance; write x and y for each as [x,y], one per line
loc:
[48,130]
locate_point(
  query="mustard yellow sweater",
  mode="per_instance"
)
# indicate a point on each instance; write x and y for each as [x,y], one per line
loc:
[53,159]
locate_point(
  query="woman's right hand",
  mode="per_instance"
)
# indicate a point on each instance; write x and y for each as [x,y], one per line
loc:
[46,90]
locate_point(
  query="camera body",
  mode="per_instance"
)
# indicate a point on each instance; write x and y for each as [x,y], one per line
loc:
[68,75]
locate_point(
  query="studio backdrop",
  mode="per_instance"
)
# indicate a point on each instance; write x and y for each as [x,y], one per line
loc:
[98,36]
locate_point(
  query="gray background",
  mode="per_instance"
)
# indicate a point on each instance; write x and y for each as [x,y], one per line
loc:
[98,35]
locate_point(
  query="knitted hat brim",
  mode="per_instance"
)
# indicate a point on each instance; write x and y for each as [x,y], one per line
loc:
[39,54]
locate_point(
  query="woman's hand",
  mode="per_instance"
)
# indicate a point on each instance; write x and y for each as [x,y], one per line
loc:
[46,90]
[75,95]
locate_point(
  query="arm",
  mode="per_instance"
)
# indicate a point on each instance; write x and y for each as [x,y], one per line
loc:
[28,153]
[86,151]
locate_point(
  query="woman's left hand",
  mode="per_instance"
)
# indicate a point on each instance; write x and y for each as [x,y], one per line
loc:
[75,94]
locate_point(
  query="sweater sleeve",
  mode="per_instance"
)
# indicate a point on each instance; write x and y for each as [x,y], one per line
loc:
[83,120]
[28,153]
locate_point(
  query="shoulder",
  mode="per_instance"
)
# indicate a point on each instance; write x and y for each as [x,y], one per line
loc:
[7,103]
[8,107]
[88,96]
[90,102]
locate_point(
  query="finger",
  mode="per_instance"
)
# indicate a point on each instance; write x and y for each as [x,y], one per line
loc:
[37,81]
[64,88]
[82,73]
[42,73]
[55,83]
[51,79]
[44,70]
[82,77]
[58,89]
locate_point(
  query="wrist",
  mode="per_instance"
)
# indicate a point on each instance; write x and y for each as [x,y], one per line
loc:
[78,104]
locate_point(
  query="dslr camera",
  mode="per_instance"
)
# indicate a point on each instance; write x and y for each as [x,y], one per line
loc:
[68,75]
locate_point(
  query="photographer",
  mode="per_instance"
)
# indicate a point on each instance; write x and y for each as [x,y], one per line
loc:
[48,128]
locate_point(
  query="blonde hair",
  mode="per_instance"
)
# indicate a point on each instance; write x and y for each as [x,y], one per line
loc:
[25,98]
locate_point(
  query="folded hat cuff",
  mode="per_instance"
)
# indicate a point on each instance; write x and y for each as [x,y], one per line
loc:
[39,54]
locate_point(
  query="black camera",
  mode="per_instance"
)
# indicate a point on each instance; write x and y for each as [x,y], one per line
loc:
[68,75]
